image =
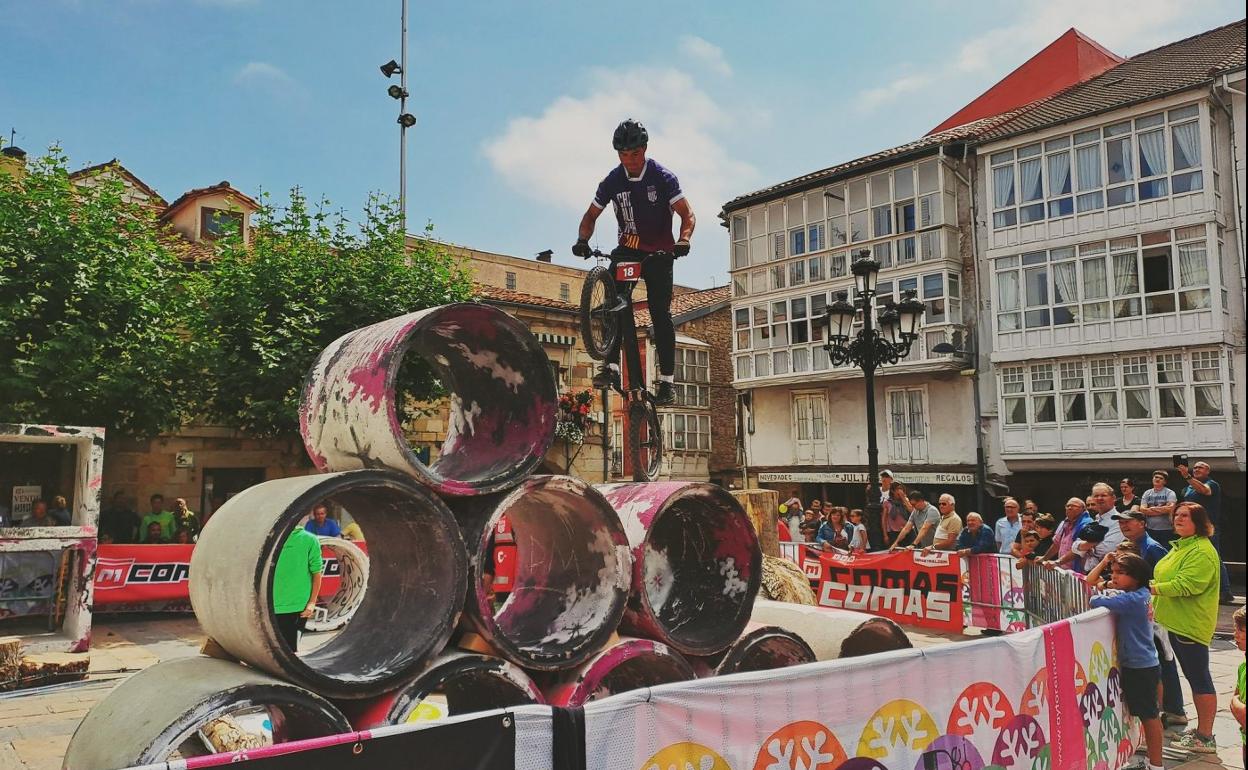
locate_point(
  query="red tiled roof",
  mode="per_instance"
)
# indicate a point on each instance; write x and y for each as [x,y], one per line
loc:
[1174,67]
[688,303]
[116,165]
[220,187]
[493,293]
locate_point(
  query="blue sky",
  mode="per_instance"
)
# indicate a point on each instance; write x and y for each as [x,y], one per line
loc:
[516,101]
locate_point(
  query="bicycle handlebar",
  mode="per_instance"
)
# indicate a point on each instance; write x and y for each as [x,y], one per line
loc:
[643,256]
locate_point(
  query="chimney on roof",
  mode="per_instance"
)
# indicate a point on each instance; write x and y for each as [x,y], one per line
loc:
[545,256]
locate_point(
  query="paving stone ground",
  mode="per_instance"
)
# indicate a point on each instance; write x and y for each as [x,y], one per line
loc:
[35,728]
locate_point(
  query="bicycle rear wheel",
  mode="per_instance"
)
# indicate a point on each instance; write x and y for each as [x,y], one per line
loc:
[600,327]
[645,440]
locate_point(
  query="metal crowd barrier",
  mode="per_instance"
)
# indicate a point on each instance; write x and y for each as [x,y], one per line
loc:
[997,593]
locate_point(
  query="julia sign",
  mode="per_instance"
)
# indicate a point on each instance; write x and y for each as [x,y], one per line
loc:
[908,586]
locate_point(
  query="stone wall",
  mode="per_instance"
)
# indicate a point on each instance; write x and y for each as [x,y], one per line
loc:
[715,329]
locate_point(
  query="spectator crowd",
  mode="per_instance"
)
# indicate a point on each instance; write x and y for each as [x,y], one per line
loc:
[1153,559]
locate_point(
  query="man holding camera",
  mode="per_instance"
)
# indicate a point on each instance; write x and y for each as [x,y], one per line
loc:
[1208,493]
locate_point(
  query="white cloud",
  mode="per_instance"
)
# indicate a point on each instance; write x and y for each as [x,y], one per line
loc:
[559,156]
[262,74]
[706,53]
[1124,28]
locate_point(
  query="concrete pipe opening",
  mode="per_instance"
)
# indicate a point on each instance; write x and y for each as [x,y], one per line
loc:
[629,664]
[455,683]
[696,563]
[833,633]
[572,571]
[418,575]
[351,565]
[173,710]
[501,391]
[760,648]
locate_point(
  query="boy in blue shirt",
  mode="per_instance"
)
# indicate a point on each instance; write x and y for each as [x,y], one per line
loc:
[1131,603]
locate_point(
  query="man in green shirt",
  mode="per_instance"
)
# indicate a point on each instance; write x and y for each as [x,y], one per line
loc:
[160,516]
[296,583]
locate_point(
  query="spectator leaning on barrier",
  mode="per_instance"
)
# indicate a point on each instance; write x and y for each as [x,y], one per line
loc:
[160,516]
[1206,492]
[321,524]
[975,538]
[923,520]
[1064,536]
[38,516]
[1046,525]
[1027,523]
[834,533]
[119,521]
[949,526]
[1008,526]
[185,518]
[1185,587]
[1134,531]
[1137,657]
[896,510]
[1103,509]
[1157,504]
[859,542]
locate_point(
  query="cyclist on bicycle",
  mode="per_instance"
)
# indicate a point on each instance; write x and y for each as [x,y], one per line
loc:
[645,194]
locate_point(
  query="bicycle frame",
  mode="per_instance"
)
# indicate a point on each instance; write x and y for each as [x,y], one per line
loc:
[627,337]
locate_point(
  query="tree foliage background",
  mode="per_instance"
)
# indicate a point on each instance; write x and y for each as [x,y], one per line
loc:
[307,277]
[92,305]
[102,322]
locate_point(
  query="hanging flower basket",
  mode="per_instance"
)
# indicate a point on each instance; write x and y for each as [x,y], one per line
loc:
[573,421]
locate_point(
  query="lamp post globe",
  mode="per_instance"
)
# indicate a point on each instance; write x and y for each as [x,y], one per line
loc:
[866,270]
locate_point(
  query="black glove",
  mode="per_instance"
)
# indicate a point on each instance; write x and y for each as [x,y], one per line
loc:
[681,249]
[581,248]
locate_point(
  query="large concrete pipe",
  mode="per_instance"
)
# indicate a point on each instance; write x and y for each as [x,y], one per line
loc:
[158,713]
[352,583]
[833,633]
[502,399]
[468,683]
[760,648]
[418,576]
[572,574]
[629,664]
[696,563]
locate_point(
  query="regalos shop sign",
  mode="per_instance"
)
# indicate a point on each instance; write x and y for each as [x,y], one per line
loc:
[907,586]
[849,477]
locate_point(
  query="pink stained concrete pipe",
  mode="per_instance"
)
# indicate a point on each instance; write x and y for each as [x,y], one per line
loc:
[629,664]
[761,647]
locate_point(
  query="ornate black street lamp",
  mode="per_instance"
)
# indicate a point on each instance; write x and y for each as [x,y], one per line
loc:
[869,349]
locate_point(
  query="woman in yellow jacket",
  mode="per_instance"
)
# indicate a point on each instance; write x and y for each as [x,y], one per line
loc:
[1185,603]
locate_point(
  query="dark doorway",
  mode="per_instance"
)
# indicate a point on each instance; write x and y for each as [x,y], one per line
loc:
[220,484]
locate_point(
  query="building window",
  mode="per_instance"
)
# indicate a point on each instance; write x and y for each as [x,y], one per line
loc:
[560,373]
[565,292]
[687,432]
[907,424]
[1165,271]
[810,427]
[215,223]
[1151,157]
[510,281]
[617,446]
[692,377]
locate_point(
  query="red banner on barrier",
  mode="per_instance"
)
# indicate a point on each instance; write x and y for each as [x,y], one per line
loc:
[134,574]
[906,586]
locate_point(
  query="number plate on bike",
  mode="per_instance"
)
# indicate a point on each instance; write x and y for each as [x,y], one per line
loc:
[628,271]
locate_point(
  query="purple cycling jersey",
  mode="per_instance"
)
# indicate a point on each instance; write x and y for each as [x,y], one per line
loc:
[643,206]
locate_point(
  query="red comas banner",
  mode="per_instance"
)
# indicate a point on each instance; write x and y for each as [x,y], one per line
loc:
[135,574]
[906,586]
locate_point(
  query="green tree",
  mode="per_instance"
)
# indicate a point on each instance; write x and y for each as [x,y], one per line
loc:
[305,278]
[93,305]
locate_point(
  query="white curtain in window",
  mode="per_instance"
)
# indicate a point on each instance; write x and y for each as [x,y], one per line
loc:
[1065,286]
[1095,285]
[1089,167]
[1007,291]
[1125,279]
[1137,403]
[1186,146]
[1193,265]
[1152,153]
[1059,174]
[1031,188]
[1003,187]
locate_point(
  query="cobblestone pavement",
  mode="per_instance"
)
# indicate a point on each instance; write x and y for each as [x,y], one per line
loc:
[35,728]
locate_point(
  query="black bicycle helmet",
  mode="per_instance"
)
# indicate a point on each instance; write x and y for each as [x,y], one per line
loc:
[630,135]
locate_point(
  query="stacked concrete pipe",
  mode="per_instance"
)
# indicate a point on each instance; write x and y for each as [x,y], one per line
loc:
[627,664]
[696,563]
[833,633]
[761,647]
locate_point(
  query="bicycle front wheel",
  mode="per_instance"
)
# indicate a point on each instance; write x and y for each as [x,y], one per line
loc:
[645,440]
[600,327]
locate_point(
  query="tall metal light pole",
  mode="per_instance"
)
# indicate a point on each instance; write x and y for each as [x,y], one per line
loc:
[870,349]
[406,120]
